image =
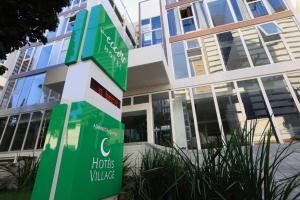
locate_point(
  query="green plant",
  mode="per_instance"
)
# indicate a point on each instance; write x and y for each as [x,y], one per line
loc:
[20,175]
[239,170]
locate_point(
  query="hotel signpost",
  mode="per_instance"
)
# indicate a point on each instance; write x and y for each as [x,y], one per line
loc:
[83,152]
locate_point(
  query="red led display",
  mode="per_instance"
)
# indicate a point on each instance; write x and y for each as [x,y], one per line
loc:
[97,87]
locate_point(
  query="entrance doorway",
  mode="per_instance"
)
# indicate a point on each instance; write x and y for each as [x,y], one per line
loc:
[135,126]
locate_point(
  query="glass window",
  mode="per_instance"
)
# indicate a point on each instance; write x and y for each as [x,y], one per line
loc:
[174,23]
[126,102]
[16,93]
[269,29]
[283,106]
[9,132]
[55,53]
[195,58]
[187,19]
[63,51]
[157,37]
[277,5]
[8,92]
[179,60]
[255,47]
[146,39]
[229,106]
[294,79]
[256,110]
[33,130]
[3,121]
[162,119]
[151,31]
[71,23]
[240,10]
[135,126]
[220,12]
[155,22]
[276,48]
[27,63]
[201,15]
[44,57]
[233,51]
[183,119]
[212,55]
[44,129]
[257,8]
[36,90]
[51,35]
[24,92]
[291,35]
[207,120]
[141,99]
[21,131]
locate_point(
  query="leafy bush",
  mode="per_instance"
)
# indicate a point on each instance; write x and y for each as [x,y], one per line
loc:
[239,170]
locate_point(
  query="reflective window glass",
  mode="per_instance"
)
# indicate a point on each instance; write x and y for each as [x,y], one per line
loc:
[156,37]
[146,39]
[255,47]
[294,79]
[183,120]
[36,90]
[162,119]
[233,51]
[257,8]
[277,5]
[229,106]
[9,132]
[155,22]
[201,15]
[179,60]
[126,102]
[16,93]
[187,19]
[269,29]
[8,92]
[174,23]
[207,120]
[220,12]
[3,121]
[24,92]
[240,10]
[44,129]
[44,57]
[141,99]
[20,133]
[33,130]
[283,106]
[255,107]
[195,58]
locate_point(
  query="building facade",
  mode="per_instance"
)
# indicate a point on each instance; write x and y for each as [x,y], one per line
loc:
[198,70]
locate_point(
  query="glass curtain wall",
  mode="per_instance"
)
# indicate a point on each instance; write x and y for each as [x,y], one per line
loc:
[162,119]
[184,127]
[208,126]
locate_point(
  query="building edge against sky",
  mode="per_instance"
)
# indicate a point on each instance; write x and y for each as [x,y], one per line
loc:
[192,70]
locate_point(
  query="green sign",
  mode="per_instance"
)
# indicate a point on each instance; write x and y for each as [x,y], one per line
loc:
[92,160]
[103,44]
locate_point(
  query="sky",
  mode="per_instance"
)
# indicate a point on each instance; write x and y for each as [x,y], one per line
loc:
[132,7]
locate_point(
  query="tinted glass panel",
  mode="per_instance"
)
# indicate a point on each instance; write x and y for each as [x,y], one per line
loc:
[157,37]
[183,120]
[201,15]
[240,10]
[126,102]
[258,9]
[283,106]
[36,90]
[2,125]
[155,21]
[208,125]
[141,99]
[135,126]
[277,5]
[220,12]
[173,21]
[162,119]
[44,129]
[33,130]
[44,57]
[233,52]
[179,60]
[21,131]
[9,132]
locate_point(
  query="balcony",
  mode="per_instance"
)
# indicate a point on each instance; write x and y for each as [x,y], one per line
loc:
[147,67]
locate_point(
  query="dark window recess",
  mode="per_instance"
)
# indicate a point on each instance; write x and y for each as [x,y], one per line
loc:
[97,87]
[130,37]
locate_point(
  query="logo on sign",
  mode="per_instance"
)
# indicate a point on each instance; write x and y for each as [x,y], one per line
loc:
[103,152]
